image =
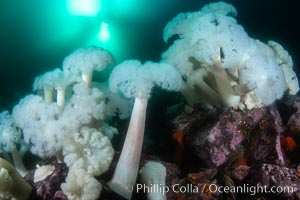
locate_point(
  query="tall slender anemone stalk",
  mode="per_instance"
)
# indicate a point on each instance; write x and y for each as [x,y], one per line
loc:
[135,80]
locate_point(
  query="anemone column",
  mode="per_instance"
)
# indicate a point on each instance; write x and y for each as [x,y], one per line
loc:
[125,175]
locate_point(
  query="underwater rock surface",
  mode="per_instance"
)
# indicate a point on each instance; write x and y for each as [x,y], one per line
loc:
[215,134]
[235,148]
[273,175]
[49,187]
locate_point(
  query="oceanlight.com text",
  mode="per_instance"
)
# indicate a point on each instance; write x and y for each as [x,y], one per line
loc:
[251,189]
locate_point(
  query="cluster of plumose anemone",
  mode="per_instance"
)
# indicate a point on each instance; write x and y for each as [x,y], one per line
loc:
[213,63]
